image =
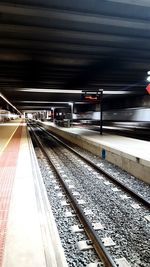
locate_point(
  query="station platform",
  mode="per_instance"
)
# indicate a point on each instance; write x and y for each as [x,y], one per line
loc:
[28,233]
[131,155]
[5,136]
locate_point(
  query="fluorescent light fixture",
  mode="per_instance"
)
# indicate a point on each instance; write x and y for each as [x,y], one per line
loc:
[2,96]
[111,92]
[42,102]
[59,91]
[117,92]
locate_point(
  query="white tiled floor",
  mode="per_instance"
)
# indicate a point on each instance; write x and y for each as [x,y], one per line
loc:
[26,245]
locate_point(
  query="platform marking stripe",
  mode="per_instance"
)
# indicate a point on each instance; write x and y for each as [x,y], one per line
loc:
[5,145]
[8,161]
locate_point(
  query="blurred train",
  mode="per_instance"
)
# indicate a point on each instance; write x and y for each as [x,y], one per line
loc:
[132,122]
[128,114]
[116,115]
[6,116]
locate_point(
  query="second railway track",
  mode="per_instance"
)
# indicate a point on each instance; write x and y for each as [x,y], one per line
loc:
[99,169]
[123,234]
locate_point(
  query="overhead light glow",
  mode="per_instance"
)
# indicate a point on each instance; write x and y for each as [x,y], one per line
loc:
[36,90]
[148,78]
[42,102]
[59,91]
[2,96]
[148,73]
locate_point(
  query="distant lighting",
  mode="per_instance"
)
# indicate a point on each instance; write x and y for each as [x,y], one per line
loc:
[148,73]
[148,78]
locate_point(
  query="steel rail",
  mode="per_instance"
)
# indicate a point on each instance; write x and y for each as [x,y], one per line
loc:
[130,191]
[96,242]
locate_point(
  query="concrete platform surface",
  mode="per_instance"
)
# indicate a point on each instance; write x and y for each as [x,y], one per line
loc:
[27,225]
[130,154]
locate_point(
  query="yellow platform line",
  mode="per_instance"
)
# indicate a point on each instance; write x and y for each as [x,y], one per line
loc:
[3,148]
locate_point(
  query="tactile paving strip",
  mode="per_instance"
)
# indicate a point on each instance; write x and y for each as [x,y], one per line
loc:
[8,161]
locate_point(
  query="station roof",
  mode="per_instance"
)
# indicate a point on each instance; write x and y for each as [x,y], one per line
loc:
[49,45]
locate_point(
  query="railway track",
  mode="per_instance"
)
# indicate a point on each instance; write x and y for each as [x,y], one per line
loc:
[103,253]
[127,189]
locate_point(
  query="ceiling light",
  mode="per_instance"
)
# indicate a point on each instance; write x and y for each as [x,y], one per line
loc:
[6,100]
[61,91]
[36,90]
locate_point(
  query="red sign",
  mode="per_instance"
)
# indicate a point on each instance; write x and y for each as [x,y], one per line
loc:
[90,97]
[148,88]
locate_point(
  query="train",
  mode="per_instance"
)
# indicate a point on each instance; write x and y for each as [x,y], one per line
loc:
[127,114]
[139,116]
[116,115]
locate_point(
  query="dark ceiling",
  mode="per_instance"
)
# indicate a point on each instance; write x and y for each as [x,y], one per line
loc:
[72,45]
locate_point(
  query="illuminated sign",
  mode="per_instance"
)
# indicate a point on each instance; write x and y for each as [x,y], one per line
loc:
[91,97]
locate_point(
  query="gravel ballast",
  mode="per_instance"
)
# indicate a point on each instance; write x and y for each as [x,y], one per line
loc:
[124,223]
